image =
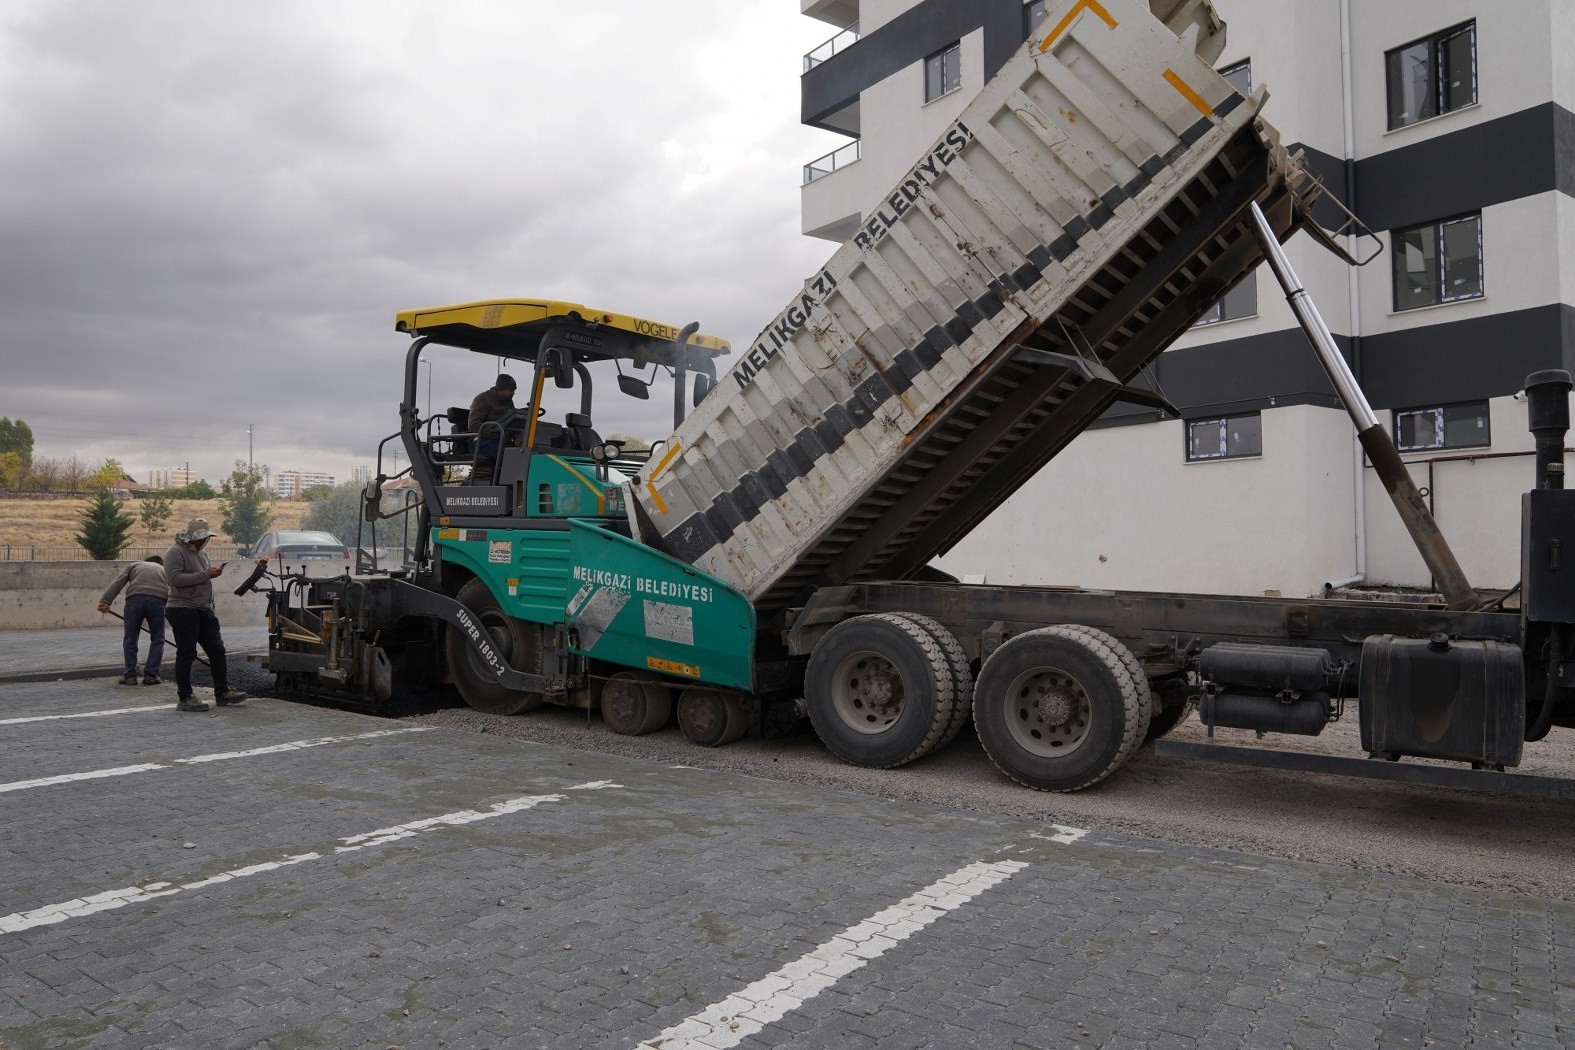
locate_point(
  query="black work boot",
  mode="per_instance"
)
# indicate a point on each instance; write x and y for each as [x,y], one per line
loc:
[152,679]
[130,678]
[186,703]
[229,698]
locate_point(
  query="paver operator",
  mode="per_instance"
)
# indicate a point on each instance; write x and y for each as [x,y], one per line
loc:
[192,617]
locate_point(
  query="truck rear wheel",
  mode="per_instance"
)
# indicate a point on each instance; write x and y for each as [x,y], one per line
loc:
[962,674]
[1059,709]
[879,691]
[516,642]
[632,707]
[711,718]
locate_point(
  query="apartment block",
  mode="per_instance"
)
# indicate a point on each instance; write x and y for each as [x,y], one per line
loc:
[1446,127]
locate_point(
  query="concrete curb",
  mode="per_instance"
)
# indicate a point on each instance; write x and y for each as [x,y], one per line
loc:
[102,671]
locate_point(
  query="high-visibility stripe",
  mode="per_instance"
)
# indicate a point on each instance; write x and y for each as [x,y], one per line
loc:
[1077,9]
[1188,94]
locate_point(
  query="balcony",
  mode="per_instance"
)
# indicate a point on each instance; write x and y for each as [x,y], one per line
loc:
[837,158]
[841,42]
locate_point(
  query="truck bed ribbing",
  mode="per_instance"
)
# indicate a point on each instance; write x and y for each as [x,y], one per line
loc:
[1087,207]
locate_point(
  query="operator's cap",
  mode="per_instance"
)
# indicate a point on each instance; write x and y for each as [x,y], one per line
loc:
[196,529]
[505,382]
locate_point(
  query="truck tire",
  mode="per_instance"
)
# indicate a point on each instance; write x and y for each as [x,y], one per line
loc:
[632,707]
[1158,716]
[1166,719]
[711,718]
[962,674]
[879,691]
[1058,709]
[517,643]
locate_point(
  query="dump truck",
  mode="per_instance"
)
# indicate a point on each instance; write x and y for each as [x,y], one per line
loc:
[768,562]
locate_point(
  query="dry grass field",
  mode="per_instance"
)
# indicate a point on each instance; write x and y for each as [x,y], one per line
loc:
[37,522]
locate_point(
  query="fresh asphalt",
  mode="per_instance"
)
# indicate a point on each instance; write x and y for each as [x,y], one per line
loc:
[284,875]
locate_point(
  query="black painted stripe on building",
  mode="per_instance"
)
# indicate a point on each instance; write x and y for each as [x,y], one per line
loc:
[1465,360]
[916,33]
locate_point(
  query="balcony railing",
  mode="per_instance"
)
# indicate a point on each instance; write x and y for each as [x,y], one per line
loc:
[837,158]
[841,42]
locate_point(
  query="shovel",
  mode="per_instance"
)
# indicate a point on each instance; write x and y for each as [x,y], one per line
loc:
[149,633]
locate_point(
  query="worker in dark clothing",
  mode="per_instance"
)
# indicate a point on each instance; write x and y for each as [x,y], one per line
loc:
[490,406]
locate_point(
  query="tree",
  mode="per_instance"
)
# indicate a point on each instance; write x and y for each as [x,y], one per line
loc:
[108,476]
[314,493]
[13,472]
[630,442]
[16,436]
[340,513]
[199,489]
[246,504]
[156,510]
[105,530]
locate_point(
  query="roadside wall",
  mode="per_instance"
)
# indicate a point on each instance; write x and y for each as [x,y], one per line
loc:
[48,594]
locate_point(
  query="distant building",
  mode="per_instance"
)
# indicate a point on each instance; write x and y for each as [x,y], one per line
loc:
[361,475]
[294,482]
[161,478]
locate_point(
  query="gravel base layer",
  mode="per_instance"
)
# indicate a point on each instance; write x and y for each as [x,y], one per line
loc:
[1490,841]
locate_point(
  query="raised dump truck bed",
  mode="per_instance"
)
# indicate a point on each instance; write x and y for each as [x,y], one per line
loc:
[1088,206]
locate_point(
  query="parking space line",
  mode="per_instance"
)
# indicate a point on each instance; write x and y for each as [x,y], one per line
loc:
[87,714]
[121,771]
[742,1014]
[110,900]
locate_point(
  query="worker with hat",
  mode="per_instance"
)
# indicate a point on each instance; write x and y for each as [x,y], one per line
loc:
[192,618]
[490,406]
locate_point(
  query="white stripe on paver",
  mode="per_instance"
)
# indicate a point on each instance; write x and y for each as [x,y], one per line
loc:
[122,771]
[109,900]
[746,1012]
[86,714]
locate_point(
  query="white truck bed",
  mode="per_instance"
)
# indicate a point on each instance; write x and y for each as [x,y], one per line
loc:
[1083,211]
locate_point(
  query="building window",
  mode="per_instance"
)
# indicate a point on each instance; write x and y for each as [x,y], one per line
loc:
[1239,76]
[1440,262]
[1242,300]
[1229,438]
[943,72]
[1033,17]
[1437,74]
[1444,426]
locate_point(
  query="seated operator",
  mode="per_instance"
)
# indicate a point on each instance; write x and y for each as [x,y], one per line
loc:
[490,406]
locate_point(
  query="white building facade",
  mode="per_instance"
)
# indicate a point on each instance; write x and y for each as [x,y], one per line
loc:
[1447,127]
[294,482]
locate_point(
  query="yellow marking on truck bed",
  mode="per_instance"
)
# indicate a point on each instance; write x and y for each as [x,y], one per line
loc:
[671,452]
[1188,94]
[1077,9]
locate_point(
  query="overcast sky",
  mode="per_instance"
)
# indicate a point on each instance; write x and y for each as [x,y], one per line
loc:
[211,211]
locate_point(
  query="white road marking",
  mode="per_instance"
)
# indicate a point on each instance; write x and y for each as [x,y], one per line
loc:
[110,900]
[746,1012]
[1063,834]
[87,714]
[121,771]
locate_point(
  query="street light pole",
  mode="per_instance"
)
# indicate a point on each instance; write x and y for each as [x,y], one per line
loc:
[249,428]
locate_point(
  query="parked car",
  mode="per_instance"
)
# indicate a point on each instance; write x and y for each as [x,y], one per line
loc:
[303,553]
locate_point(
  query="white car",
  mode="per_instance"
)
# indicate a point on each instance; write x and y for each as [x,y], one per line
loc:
[314,554]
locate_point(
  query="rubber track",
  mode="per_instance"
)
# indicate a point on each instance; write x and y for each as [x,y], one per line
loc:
[1135,700]
[962,674]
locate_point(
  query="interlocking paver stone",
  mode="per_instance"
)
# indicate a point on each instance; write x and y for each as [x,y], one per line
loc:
[674,890]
